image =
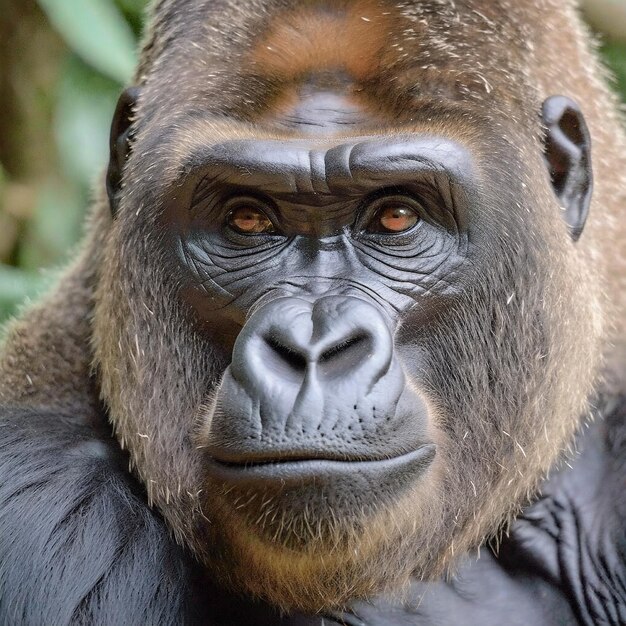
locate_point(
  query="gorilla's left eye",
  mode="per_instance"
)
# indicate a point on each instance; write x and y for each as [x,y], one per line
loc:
[394,215]
[248,218]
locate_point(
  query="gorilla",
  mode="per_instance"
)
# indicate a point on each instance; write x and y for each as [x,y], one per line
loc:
[340,345]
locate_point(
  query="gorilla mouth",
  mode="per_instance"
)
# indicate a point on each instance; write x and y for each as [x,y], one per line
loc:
[306,469]
[293,503]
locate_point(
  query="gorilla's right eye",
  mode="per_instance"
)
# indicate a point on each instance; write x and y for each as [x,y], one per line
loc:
[394,214]
[248,218]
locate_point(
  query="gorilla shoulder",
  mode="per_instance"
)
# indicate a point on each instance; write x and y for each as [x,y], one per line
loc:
[75,529]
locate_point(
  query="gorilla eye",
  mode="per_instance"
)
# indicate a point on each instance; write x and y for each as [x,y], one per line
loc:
[394,215]
[247,218]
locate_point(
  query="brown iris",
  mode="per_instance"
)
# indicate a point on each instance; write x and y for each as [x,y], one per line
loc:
[394,216]
[248,219]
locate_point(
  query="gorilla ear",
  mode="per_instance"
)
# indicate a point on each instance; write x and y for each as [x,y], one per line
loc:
[119,143]
[568,157]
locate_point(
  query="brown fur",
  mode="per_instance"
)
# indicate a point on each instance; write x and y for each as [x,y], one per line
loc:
[476,71]
[308,39]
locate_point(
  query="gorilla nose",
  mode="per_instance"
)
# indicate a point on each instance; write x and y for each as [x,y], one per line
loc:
[314,380]
[338,359]
[296,341]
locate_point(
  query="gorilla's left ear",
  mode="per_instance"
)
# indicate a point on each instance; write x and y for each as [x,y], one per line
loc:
[568,157]
[119,143]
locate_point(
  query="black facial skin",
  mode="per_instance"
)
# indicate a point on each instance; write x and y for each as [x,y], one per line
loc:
[315,388]
[310,305]
[321,202]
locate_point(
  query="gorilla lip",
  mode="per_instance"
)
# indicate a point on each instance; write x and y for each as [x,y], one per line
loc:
[303,469]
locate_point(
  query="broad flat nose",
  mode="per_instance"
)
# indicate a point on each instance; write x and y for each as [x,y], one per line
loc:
[292,340]
[315,380]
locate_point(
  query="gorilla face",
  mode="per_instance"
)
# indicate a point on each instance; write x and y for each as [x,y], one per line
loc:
[315,415]
[341,359]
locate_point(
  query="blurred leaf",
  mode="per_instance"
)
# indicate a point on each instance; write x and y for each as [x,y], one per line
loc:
[615,55]
[135,7]
[16,285]
[133,12]
[96,31]
[85,106]
[54,228]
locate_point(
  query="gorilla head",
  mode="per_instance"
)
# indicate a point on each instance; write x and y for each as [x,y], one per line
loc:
[343,324]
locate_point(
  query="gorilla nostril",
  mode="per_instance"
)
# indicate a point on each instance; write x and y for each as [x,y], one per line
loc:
[338,360]
[288,358]
[342,347]
[345,356]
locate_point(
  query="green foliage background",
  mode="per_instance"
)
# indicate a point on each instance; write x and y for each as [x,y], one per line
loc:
[63,64]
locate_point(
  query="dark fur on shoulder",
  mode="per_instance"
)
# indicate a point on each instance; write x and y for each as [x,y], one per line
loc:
[77,542]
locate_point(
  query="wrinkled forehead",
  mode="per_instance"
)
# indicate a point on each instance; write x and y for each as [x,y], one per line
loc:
[302,167]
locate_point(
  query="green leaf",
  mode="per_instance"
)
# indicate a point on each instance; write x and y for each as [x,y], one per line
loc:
[97,32]
[51,234]
[615,55]
[134,11]
[84,109]
[16,285]
[135,7]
